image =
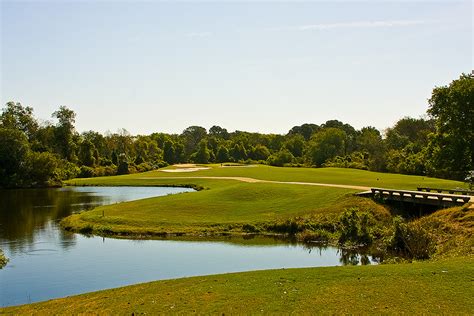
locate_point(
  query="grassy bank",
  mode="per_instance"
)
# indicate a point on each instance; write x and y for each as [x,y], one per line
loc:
[441,287]
[229,206]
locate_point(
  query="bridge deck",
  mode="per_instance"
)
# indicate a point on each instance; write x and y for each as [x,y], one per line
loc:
[431,198]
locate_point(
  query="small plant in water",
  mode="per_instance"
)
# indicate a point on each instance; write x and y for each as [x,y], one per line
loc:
[3,259]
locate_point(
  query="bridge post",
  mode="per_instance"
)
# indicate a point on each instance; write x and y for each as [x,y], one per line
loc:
[440,200]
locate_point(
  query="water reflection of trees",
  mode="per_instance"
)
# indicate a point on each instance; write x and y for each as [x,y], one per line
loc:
[347,256]
[26,214]
[354,257]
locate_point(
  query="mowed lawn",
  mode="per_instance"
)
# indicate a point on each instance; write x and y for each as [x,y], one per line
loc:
[225,202]
[441,287]
[315,175]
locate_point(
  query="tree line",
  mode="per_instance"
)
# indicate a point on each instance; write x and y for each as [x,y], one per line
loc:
[440,144]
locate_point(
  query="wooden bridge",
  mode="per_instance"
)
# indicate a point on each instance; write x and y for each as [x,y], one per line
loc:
[419,197]
[450,191]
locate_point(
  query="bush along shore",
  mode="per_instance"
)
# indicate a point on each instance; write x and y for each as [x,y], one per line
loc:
[368,227]
[3,259]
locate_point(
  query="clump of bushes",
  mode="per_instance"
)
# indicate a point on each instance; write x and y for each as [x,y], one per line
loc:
[99,171]
[86,230]
[250,228]
[317,236]
[290,226]
[281,158]
[355,227]
[356,160]
[123,168]
[410,240]
[3,259]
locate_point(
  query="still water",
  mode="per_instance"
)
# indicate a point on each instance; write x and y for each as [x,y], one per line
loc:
[47,262]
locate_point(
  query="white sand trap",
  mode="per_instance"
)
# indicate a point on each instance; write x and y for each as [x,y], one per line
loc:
[238,166]
[185,169]
[185,165]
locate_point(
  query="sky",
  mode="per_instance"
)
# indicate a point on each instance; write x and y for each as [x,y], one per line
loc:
[244,65]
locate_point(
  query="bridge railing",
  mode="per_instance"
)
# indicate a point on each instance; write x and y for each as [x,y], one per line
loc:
[401,194]
[450,191]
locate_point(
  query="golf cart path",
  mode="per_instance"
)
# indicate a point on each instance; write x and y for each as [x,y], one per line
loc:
[253,180]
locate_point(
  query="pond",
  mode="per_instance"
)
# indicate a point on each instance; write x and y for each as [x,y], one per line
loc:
[47,262]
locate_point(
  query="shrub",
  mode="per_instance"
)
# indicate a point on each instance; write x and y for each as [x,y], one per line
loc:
[356,160]
[355,227]
[290,226]
[250,228]
[145,166]
[86,172]
[319,235]
[3,259]
[280,158]
[86,230]
[101,171]
[123,167]
[410,240]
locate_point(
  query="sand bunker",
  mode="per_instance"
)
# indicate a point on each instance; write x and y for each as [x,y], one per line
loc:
[185,165]
[185,169]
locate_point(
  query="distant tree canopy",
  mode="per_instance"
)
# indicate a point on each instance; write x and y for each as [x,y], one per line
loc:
[34,154]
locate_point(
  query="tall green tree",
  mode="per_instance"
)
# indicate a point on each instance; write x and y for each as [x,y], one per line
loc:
[295,145]
[281,158]
[86,153]
[14,151]
[305,130]
[219,132]
[202,155]
[238,152]
[16,116]
[169,152]
[45,169]
[191,137]
[259,152]
[222,154]
[369,140]
[452,147]
[64,132]
[326,144]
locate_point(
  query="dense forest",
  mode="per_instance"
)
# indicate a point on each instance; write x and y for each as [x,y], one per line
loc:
[441,144]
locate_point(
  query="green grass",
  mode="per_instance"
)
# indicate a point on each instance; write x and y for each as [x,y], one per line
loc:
[452,230]
[314,175]
[441,287]
[225,206]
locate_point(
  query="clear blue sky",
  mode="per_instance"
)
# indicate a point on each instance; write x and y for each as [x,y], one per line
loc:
[265,67]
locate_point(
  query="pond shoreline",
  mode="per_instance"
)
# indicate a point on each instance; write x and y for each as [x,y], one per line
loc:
[48,254]
[392,288]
